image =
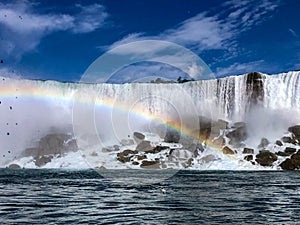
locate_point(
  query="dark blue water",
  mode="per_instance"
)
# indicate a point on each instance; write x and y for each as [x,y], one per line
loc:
[189,197]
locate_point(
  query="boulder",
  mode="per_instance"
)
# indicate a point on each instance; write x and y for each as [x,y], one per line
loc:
[172,135]
[219,141]
[138,137]
[290,150]
[14,166]
[279,143]
[216,127]
[263,143]
[208,158]
[144,146]
[57,144]
[248,157]
[226,150]
[157,149]
[43,160]
[248,151]
[141,157]
[150,164]
[291,164]
[289,140]
[265,158]
[237,136]
[284,154]
[135,163]
[295,130]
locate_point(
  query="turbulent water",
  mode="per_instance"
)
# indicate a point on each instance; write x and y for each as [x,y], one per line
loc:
[30,110]
[189,197]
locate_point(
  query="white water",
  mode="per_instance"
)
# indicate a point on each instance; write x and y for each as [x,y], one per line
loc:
[39,107]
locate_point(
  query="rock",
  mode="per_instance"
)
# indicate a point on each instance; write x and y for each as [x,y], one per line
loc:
[138,137]
[126,142]
[94,153]
[265,158]
[248,151]
[187,163]
[31,152]
[295,130]
[237,136]
[295,157]
[216,127]
[126,155]
[127,152]
[291,164]
[141,157]
[279,143]
[290,150]
[123,158]
[144,146]
[57,144]
[284,154]
[239,124]
[288,140]
[135,163]
[263,143]
[208,158]
[172,135]
[226,150]
[150,164]
[248,157]
[43,160]
[157,149]
[14,166]
[220,141]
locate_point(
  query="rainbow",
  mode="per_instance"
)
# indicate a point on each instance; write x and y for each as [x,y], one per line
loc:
[52,91]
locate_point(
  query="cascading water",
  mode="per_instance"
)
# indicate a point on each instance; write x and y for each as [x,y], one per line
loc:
[30,110]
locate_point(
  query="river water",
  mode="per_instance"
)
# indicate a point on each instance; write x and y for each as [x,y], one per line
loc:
[188,197]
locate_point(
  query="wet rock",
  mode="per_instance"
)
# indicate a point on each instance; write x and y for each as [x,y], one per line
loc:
[237,136]
[208,158]
[226,150]
[291,164]
[157,149]
[14,166]
[289,140]
[144,146]
[220,141]
[150,164]
[290,150]
[265,158]
[138,137]
[172,135]
[279,143]
[248,157]
[43,160]
[283,154]
[141,157]
[135,163]
[295,130]
[126,142]
[239,124]
[263,143]
[127,152]
[216,127]
[94,154]
[248,151]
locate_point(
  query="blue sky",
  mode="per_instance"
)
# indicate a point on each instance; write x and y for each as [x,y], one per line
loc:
[60,39]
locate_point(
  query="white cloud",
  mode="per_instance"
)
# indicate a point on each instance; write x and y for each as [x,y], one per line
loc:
[293,32]
[23,28]
[219,31]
